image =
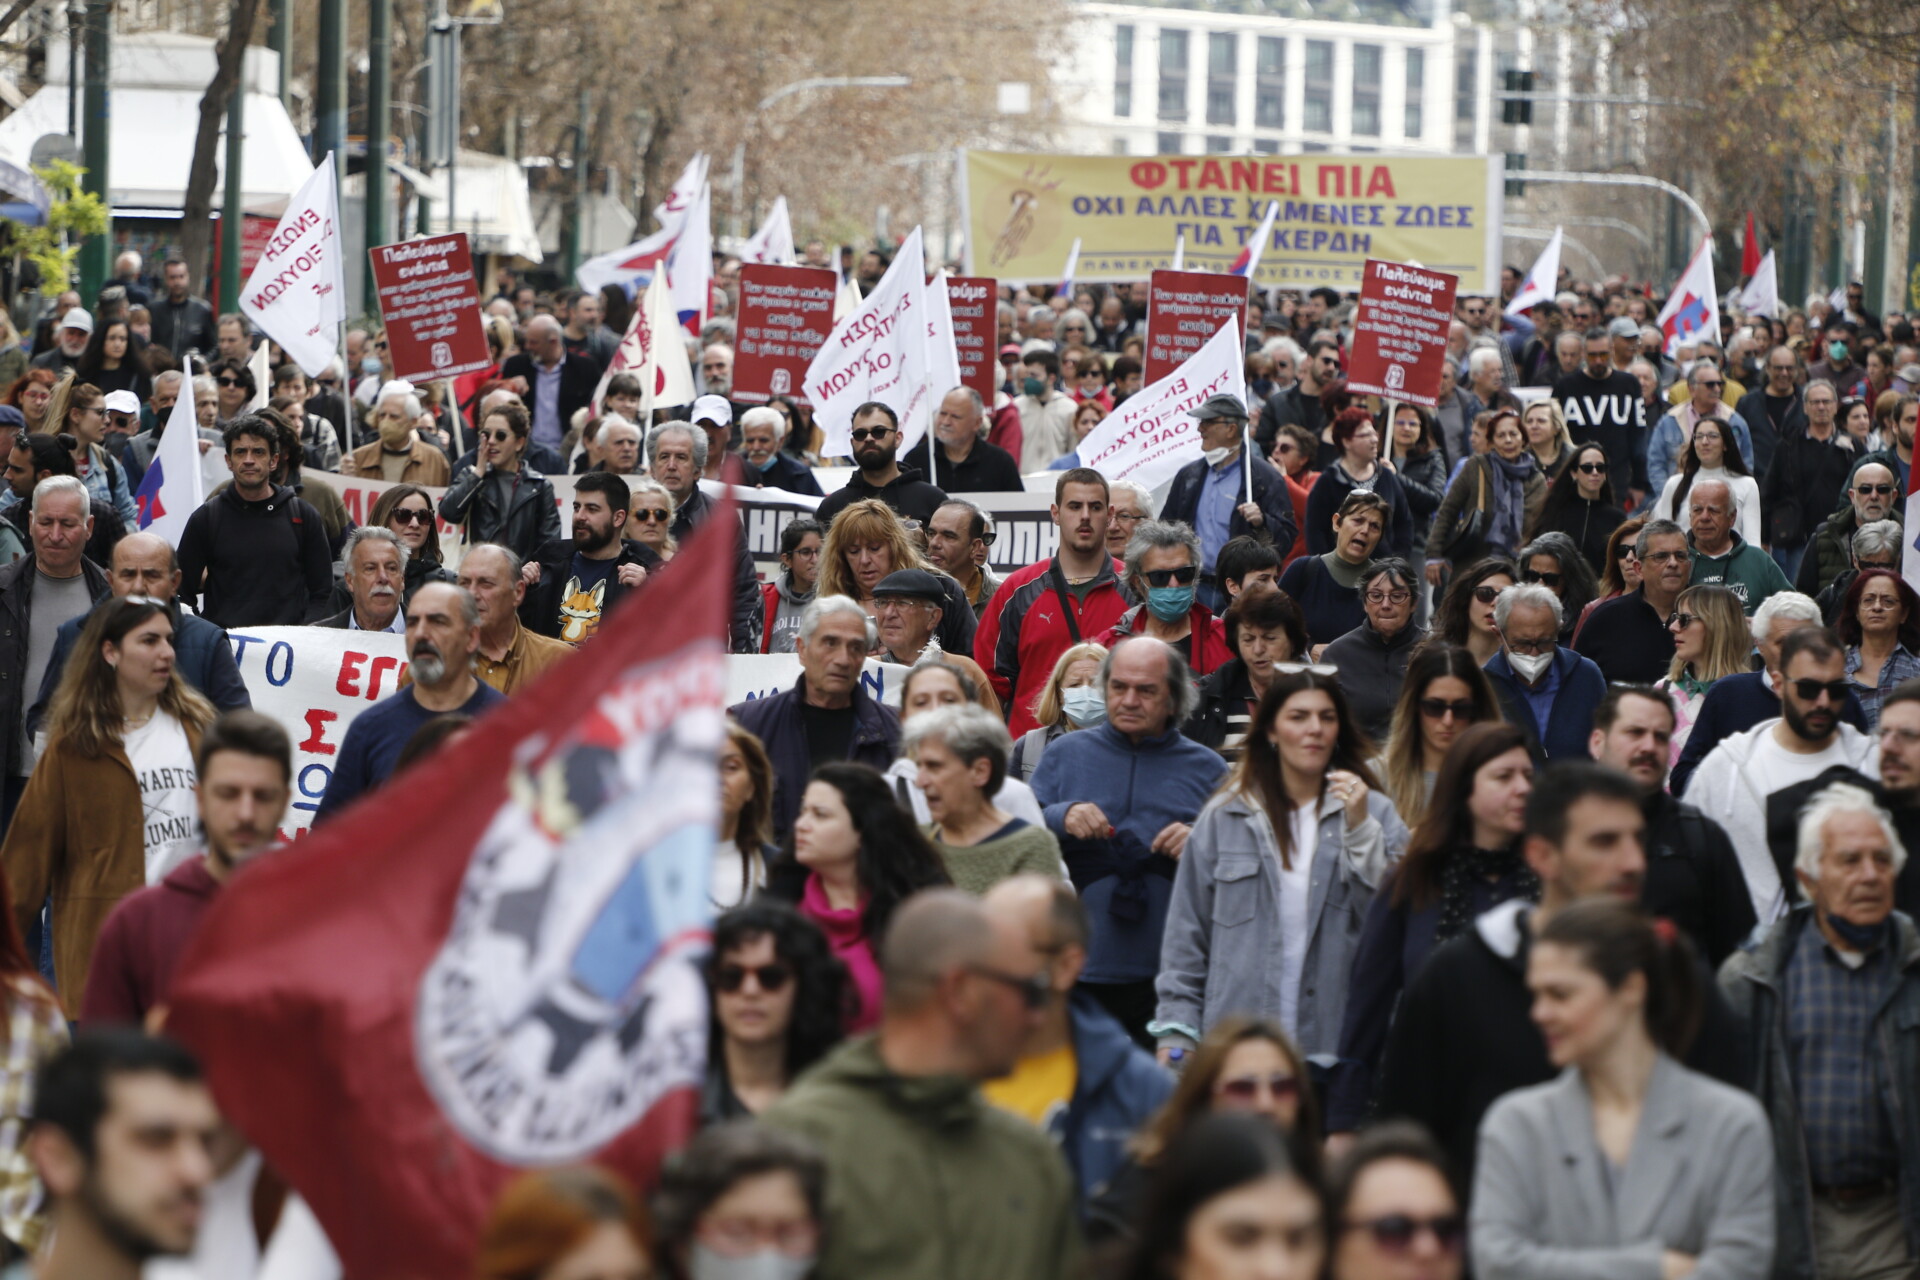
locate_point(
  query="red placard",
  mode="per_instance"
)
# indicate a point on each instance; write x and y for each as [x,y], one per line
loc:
[975,304]
[430,305]
[785,316]
[1400,332]
[255,231]
[1184,309]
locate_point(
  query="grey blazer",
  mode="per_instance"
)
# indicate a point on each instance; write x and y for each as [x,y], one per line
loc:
[1699,1180]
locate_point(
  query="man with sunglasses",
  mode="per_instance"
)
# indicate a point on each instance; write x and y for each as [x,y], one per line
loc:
[1897,454]
[1872,495]
[1754,783]
[929,1178]
[876,446]
[1705,383]
[1603,406]
[1080,1079]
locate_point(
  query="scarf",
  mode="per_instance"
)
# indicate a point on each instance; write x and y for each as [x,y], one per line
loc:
[1467,866]
[1509,501]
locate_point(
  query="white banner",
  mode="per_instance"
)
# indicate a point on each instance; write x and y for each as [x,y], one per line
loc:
[761,675]
[943,353]
[297,293]
[1762,294]
[878,351]
[1541,282]
[666,376]
[690,263]
[1150,437]
[773,242]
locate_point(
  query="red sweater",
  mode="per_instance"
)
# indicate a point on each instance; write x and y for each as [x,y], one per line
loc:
[142,941]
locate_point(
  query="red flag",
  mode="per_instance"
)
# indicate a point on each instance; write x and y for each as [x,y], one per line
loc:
[492,963]
[1749,250]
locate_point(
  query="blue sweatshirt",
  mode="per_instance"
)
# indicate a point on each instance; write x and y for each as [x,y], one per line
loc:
[377,736]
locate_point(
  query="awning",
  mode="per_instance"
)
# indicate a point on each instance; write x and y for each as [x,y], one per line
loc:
[490,193]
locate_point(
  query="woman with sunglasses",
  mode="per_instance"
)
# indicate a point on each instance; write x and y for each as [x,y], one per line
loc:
[1465,618]
[1462,859]
[866,541]
[1493,499]
[1580,503]
[1327,587]
[80,411]
[1712,639]
[1357,469]
[1629,1163]
[1443,692]
[1706,456]
[499,497]
[1548,439]
[779,999]
[1277,874]
[1554,562]
[407,509]
[1263,627]
[1163,569]
[1880,625]
[1394,1210]
[650,517]
[1621,573]
[234,383]
[1245,1066]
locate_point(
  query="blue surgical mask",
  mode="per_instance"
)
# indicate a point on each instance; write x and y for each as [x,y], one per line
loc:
[1084,704]
[1169,604]
[1837,351]
[1861,937]
[771,459]
[369,365]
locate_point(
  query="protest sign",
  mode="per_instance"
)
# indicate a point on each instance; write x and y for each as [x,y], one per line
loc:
[974,303]
[1150,436]
[878,351]
[430,306]
[1184,309]
[785,316]
[1336,211]
[297,288]
[1400,333]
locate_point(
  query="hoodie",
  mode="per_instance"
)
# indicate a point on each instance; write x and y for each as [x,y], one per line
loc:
[782,606]
[1754,789]
[1743,569]
[141,942]
[908,493]
[925,1179]
[256,564]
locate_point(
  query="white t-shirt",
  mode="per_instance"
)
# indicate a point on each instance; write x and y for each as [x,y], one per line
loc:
[729,887]
[1296,888]
[163,763]
[1773,768]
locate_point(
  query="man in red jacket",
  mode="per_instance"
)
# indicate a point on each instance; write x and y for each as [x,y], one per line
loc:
[245,770]
[1045,609]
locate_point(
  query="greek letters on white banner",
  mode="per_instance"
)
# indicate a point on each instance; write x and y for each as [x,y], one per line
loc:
[1151,436]
[297,293]
[879,351]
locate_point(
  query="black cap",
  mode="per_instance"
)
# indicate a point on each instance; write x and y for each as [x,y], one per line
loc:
[1220,406]
[915,584]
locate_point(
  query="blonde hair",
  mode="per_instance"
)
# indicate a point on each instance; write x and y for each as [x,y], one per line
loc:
[1563,438]
[1047,708]
[1729,638]
[69,394]
[638,485]
[869,520]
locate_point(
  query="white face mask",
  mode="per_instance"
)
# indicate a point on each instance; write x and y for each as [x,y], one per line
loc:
[1215,457]
[1084,704]
[1530,666]
[768,1264]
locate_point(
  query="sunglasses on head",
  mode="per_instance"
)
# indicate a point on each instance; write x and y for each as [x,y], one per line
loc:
[407,515]
[771,977]
[860,435]
[1247,1088]
[1184,575]
[1396,1232]
[1809,690]
[1440,708]
[652,515]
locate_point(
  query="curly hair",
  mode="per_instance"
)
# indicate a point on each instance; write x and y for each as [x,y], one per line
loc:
[822,989]
[895,860]
[1847,625]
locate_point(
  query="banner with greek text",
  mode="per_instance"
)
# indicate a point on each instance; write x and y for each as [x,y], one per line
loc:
[1025,210]
[297,293]
[1151,435]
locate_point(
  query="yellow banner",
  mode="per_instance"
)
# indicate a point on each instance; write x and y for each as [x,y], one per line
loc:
[1336,211]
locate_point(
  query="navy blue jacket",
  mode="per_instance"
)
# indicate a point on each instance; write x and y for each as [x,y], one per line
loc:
[1269,493]
[1734,705]
[1570,722]
[376,738]
[1117,1088]
[201,654]
[776,722]
[787,472]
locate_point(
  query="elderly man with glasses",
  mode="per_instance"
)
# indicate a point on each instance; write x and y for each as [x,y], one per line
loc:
[1872,494]
[1549,692]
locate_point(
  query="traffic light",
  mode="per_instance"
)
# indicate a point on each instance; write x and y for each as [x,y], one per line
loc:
[1516,186]
[1517,107]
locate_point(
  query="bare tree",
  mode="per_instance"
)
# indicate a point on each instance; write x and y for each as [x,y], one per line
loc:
[195,229]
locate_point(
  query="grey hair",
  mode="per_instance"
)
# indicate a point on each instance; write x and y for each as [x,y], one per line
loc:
[411,397]
[1480,357]
[63,484]
[1288,347]
[638,485]
[971,732]
[1140,492]
[1791,605]
[1839,799]
[1648,331]
[1820,382]
[204,385]
[1039,311]
[371,533]
[693,433]
[763,416]
[1074,313]
[1154,535]
[1388,567]
[513,560]
[1181,689]
[974,399]
[824,607]
[1701,486]
[1700,365]
[1641,362]
[1877,538]
[1530,595]
[1655,529]
[169,377]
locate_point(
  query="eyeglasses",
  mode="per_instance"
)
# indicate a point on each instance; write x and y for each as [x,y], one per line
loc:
[1034,991]
[1809,690]
[1383,597]
[1440,709]
[1245,1089]
[1592,468]
[771,977]
[1126,517]
[739,1238]
[1184,575]
[1487,593]
[1325,670]
[1396,1232]
[652,515]
[1536,647]
[1665,557]
[1871,489]
[860,435]
[1551,580]
[407,515]
[1681,621]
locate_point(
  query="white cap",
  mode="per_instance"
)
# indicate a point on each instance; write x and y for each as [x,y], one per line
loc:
[714,409]
[77,318]
[122,402]
[398,387]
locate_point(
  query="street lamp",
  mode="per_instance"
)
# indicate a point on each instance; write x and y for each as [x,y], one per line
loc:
[739,175]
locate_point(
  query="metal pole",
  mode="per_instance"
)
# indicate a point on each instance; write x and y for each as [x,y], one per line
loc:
[280,40]
[575,229]
[453,115]
[330,85]
[74,12]
[230,211]
[1691,205]
[96,256]
[379,114]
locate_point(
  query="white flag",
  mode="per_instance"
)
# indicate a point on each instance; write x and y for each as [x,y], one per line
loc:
[1542,281]
[635,264]
[690,264]
[172,489]
[943,353]
[773,242]
[297,293]
[1762,294]
[653,351]
[878,351]
[1150,436]
[1693,308]
[261,367]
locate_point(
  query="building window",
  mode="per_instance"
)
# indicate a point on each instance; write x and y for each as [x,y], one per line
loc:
[1119,146]
[1123,71]
[1416,91]
[1222,55]
[1173,75]
[1217,145]
[1270,84]
[1319,98]
[1466,97]
[1169,144]
[1366,90]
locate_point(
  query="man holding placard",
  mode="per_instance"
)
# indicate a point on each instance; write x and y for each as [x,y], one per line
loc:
[1219,498]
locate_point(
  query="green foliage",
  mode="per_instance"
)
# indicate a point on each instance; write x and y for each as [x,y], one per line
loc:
[72,216]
